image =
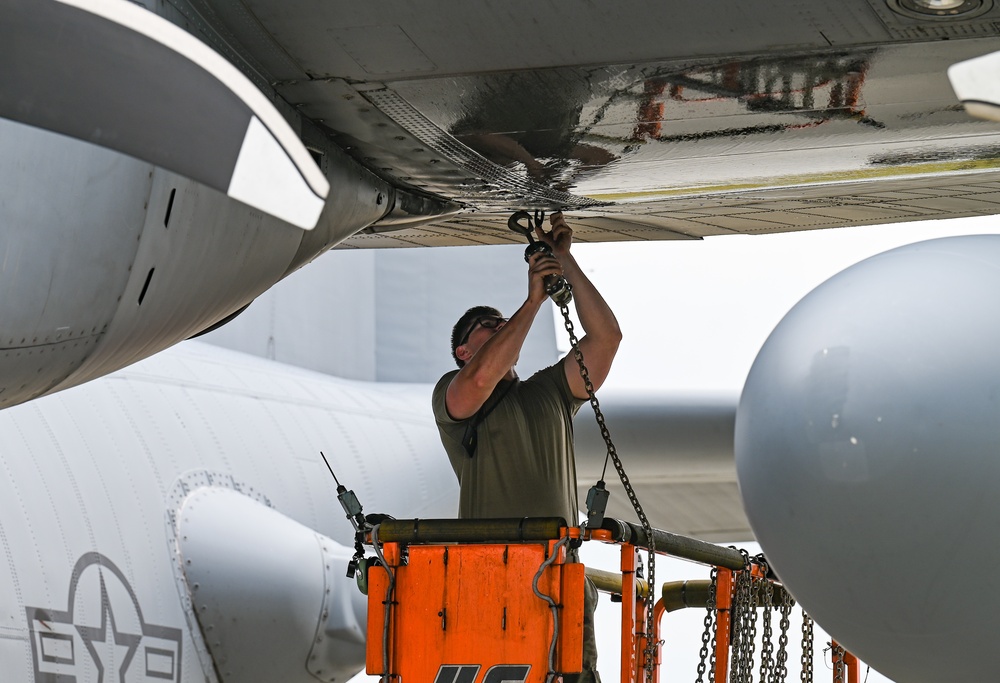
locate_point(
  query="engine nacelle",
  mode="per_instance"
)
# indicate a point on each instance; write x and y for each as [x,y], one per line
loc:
[270,594]
[868,456]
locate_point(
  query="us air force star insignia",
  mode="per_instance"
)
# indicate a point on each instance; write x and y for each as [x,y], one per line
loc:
[102,636]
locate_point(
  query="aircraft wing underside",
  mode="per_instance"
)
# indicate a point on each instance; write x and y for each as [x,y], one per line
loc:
[745,212]
[647,121]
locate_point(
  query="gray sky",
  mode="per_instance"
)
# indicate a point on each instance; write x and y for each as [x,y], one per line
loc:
[694,314]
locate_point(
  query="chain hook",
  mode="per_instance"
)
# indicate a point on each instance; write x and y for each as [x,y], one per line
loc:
[514,224]
[556,286]
[536,222]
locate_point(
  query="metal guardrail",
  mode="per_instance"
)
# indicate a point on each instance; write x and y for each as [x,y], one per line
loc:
[470,530]
[548,528]
[676,545]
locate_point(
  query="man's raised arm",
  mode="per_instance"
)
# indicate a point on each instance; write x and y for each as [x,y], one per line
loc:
[600,343]
[489,355]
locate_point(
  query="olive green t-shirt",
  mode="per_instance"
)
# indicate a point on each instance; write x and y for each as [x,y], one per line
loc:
[524,464]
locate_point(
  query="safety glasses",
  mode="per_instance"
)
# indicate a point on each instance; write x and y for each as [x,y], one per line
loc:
[489,322]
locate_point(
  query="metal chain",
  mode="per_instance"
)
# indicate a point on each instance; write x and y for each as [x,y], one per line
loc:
[743,626]
[629,491]
[736,632]
[837,655]
[767,642]
[807,648]
[781,660]
[707,633]
[595,404]
[715,632]
[749,627]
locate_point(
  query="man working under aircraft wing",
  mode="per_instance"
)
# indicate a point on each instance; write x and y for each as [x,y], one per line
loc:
[511,441]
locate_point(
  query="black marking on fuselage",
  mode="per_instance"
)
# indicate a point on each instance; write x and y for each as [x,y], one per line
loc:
[65,646]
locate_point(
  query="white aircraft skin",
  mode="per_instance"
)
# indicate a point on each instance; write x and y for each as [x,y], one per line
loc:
[83,485]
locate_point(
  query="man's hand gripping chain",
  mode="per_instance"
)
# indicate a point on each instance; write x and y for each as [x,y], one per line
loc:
[560,291]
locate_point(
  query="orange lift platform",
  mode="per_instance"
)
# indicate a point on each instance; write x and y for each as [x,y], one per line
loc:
[501,601]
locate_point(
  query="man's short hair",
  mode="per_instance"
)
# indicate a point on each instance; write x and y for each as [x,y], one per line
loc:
[464,326]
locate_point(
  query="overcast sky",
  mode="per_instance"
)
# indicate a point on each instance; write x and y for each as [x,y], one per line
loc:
[694,314]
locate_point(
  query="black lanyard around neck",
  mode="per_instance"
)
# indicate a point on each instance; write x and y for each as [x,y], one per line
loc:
[469,440]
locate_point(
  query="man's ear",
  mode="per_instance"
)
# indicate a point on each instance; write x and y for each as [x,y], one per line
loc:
[463,353]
